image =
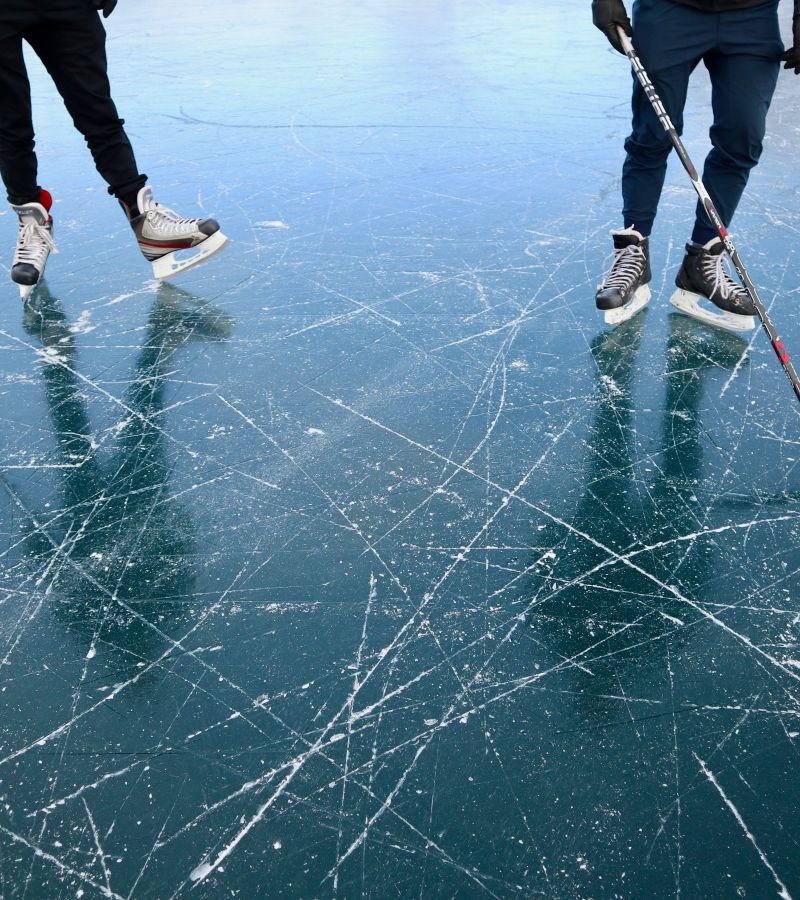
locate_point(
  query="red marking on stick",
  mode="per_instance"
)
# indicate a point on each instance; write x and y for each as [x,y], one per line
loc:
[723,231]
[783,356]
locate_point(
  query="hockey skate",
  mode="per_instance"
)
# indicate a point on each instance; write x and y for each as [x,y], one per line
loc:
[34,243]
[162,234]
[702,277]
[625,291]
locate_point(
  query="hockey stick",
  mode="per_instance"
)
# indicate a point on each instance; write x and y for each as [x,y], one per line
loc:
[708,204]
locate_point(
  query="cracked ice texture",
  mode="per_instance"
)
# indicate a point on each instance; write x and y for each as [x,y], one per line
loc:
[366,562]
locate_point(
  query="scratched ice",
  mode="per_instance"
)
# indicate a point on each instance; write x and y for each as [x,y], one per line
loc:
[366,562]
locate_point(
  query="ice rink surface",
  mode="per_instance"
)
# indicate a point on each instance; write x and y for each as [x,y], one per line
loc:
[365,562]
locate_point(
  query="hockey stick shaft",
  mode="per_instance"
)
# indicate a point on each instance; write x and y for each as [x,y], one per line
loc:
[711,210]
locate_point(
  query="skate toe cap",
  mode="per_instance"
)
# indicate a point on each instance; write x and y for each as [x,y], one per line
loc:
[208,227]
[609,299]
[24,273]
[745,307]
[737,304]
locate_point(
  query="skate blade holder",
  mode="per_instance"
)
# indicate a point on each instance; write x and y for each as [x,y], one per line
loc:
[170,265]
[637,303]
[692,305]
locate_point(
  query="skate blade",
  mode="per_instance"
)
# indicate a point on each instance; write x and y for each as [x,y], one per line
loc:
[168,266]
[690,305]
[637,303]
[25,290]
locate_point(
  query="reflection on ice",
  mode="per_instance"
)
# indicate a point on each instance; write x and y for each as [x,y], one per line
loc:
[367,564]
[115,543]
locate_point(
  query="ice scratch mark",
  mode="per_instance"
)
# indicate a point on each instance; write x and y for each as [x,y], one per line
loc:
[100,854]
[373,584]
[612,555]
[61,866]
[782,892]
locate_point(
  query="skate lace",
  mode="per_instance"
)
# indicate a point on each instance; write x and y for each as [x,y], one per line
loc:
[167,220]
[626,266]
[714,271]
[33,244]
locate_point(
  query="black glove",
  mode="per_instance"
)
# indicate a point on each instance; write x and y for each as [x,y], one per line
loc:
[607,15]
[107,6]
[791,58]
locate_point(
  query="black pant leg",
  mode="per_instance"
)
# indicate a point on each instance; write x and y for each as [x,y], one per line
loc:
[70,42]
[670,39]
[17,158]
[744,73]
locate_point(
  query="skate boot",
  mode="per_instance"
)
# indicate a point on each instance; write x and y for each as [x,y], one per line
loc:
[625,290]
[703,277]
[162,233]
[34,243]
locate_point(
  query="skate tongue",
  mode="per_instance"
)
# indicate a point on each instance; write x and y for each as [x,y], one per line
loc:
[32,214]
[144,199]
[626,238]
[714,246]
[35,213]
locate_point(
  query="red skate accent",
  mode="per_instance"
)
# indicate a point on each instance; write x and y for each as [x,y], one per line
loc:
[181,245]
[46,199]
[783,356]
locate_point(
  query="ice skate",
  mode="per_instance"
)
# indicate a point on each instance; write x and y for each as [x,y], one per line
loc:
[625,290]
[162,234]
[34,243]
[702,277]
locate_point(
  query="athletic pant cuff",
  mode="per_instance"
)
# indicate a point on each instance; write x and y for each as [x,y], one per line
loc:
[20,199]
[702,234]
[129,187]
[643,227]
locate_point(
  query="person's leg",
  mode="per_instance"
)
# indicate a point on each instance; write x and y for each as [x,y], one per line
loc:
[17,158]
[744,71]
[670,39]
[70,41]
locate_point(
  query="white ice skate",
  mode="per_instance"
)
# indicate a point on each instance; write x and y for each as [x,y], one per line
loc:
[625,290]
[34,243]
[703,278]
[162,234]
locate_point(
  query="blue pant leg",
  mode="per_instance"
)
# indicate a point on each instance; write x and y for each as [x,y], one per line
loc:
[744,72]
[670,39]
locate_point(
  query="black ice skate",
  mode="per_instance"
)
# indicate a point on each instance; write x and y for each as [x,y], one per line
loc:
[34,243]
[162,233]
[703,277]
[625,290]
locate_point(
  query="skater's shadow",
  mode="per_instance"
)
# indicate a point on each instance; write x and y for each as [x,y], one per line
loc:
[605,604]
[117,552]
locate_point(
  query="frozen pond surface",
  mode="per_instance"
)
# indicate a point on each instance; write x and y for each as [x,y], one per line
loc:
[366,562]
